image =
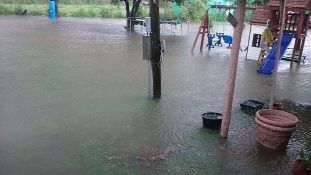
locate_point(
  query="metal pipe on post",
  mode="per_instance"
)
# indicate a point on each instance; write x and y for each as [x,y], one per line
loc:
[155,48]
[231,75]
[278,52]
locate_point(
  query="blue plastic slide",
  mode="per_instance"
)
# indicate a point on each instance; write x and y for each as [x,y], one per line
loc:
[267,65]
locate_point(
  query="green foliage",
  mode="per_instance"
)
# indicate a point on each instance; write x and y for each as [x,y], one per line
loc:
[305,154]
[76,2]
[91,13]
[18,10]
[118,15]
[79,13]
[104,13]
[142,11]
[4,10]
[193,10]
[115,2]
[257,2]
[107,11]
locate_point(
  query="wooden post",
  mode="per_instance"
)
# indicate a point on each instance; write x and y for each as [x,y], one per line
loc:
[278,52]
[249,38]
[231,75]
[155,48]
[303,40]
[203,29]
[294,51]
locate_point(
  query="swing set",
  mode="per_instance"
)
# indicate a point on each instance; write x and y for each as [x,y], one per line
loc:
[215,39]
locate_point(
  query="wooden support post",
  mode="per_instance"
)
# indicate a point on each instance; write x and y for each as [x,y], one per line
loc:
[300,24]
[155,48]
[249,38]
[231,75]
[203,29]
[294,51]
[278,53]
[302,45]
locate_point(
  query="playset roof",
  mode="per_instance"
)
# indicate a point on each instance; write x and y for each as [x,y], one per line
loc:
[260,16]
[304,4]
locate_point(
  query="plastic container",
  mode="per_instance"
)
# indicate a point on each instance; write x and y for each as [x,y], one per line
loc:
[212,120]
[251,106]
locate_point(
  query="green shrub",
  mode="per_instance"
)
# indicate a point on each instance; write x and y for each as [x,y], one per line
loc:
[91,13]
[167,14]
[4,10]
[80,13]
[193,10]
[104,12]
[36,13]
[142,12]
[62,13]
[18,10]
[118,15]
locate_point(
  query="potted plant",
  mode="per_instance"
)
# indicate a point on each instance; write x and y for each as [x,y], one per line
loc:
[303,165]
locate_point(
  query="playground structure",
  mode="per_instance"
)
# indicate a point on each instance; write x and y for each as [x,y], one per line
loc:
[204,29]
[296,23]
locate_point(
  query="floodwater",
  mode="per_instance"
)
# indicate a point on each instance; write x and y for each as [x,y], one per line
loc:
[73,100]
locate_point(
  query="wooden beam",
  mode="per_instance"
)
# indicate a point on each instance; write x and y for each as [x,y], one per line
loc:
[278,53]
[249,38]
[229,7]
[231,75]
[155,48]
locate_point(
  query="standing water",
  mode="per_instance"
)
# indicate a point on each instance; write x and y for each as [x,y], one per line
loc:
[73,100]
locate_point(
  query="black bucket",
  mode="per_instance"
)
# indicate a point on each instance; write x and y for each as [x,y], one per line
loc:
[212,120]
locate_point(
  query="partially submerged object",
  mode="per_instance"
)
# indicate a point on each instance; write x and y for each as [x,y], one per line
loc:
[251,106]
[211,120]
[275,127]
[160,155]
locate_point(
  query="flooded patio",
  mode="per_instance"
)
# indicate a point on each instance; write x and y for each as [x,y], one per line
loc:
[73,100]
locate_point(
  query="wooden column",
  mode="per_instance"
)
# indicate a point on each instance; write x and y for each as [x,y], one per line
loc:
[294,50]
[234,55]
[203,29]
[278,53]
[303,40]
[249,38]
[155,48]
[298,36]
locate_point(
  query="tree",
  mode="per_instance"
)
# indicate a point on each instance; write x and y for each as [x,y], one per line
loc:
[132,13]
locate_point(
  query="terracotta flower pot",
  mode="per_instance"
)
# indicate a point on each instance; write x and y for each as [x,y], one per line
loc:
[277,118]
[298,170]
[273,137]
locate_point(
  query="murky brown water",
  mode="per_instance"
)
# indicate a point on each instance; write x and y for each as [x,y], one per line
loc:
[73,100]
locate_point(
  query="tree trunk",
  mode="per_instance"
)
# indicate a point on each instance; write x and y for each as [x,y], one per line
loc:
[131,13]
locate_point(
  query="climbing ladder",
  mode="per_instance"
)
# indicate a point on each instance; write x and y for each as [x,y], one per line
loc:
[203,29]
